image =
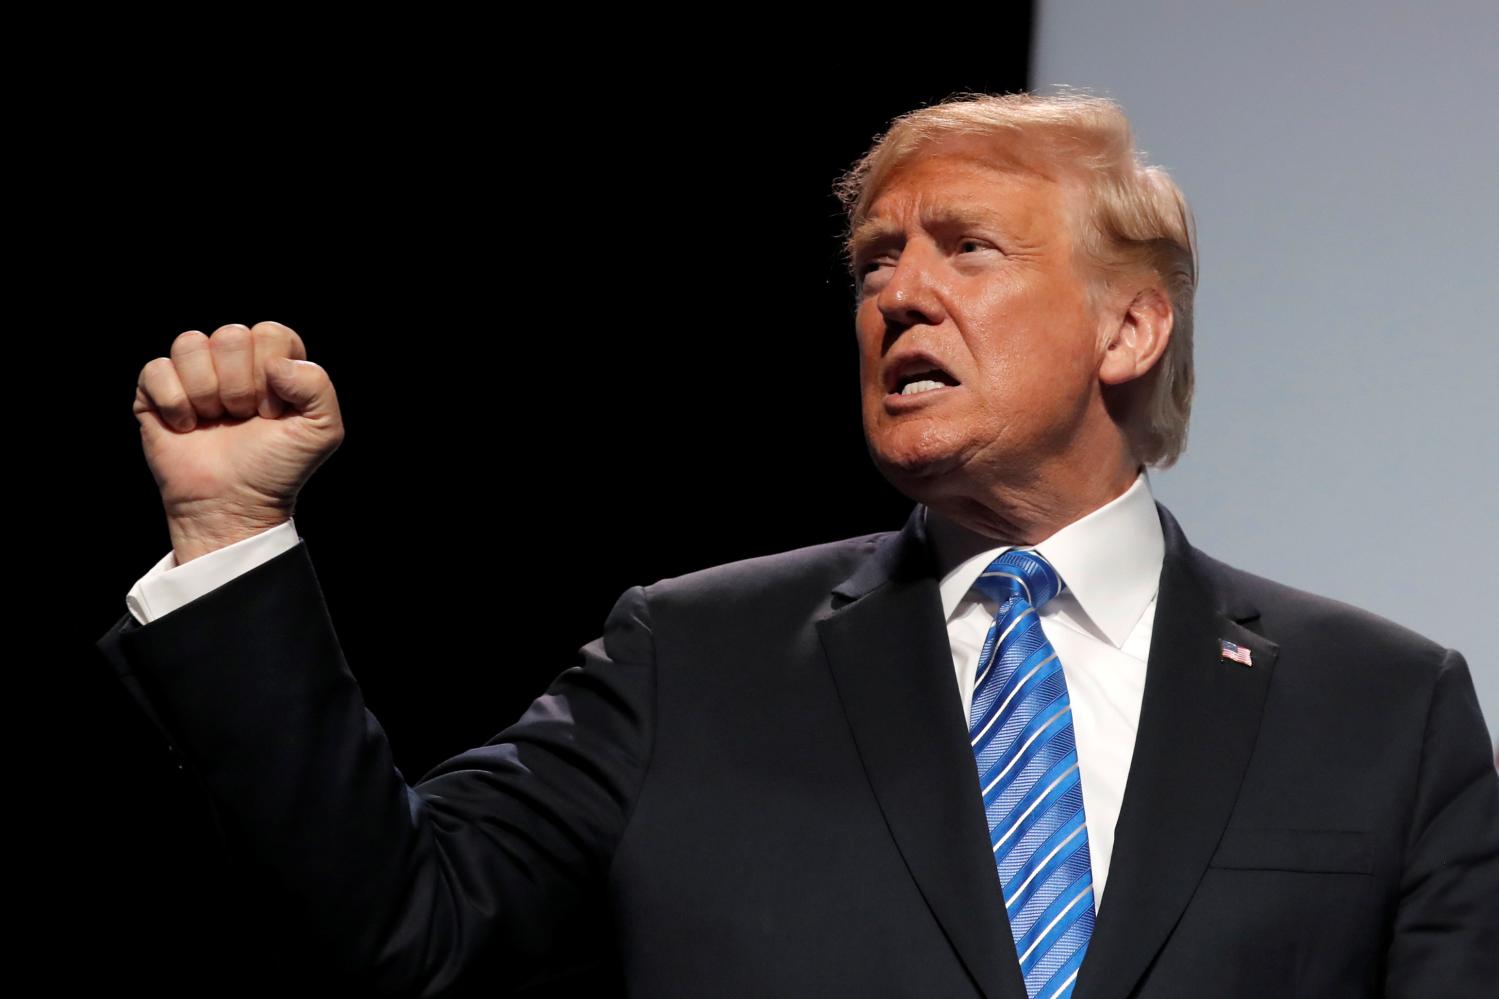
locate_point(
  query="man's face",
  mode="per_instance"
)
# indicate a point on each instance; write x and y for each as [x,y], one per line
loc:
[968,269]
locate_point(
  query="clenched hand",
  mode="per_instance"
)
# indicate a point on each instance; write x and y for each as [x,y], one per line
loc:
[232,425]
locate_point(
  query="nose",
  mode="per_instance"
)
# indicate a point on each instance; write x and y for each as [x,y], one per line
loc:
[909,297]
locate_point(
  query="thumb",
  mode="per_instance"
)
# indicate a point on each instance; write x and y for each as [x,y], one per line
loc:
[304,384]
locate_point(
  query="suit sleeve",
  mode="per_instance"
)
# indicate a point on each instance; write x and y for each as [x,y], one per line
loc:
[167,585]
[1446,933]
[406,887]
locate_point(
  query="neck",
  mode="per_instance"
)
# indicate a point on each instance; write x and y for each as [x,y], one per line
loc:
[1030,511]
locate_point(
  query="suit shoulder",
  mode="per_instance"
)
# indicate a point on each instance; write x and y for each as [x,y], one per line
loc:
[811,569]
[1296,616]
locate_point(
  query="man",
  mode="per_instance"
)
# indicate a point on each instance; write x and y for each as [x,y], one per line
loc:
[760,771]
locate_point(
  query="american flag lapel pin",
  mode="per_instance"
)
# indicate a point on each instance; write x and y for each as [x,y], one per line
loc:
[1238,653]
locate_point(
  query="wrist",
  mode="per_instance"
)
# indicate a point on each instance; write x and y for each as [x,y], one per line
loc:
[194,538]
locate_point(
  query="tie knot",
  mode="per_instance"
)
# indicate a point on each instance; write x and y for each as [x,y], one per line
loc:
[1020,573]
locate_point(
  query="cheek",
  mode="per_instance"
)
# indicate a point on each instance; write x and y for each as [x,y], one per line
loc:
[868,335]
[1031,371]
[1045,338]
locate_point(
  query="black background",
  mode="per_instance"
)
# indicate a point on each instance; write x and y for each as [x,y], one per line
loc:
[589,327]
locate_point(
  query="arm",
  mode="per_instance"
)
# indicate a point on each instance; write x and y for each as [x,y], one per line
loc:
[408,887]
[1446,933]
[167,586]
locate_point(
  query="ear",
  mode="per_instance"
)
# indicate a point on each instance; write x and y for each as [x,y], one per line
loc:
[1137,337]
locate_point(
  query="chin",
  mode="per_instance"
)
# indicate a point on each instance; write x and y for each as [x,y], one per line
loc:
[917,473]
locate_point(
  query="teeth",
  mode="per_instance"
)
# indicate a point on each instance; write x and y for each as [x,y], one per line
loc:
[921,386]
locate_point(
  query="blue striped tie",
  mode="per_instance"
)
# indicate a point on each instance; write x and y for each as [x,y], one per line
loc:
[1021,731]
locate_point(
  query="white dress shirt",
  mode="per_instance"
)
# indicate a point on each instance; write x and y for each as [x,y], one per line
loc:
[167,585]
[1100,625]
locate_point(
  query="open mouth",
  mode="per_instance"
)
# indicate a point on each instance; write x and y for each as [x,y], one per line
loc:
[924,380]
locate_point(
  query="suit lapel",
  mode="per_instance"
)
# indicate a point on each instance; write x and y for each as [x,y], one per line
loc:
[891,660]
[887,646]
[1198,722]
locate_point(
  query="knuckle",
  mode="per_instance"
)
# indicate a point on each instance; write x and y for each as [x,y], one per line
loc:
[231,333]
[189,343]
[156,368]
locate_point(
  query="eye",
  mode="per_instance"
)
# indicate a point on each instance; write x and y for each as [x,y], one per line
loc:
[966,245]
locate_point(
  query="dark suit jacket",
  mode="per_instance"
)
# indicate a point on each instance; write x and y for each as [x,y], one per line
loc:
[761,773]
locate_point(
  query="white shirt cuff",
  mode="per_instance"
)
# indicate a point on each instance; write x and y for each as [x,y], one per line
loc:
[166,586]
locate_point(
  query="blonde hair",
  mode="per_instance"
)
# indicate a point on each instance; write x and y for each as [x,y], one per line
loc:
[1135,219]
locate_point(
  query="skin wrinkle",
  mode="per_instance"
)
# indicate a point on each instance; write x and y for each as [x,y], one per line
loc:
[875,235]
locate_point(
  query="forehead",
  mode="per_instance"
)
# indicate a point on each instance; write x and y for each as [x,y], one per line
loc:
[965,182]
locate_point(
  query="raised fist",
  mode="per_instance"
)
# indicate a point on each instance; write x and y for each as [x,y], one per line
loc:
[232,425]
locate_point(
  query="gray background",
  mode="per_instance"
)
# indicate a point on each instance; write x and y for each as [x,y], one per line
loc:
[1342,159]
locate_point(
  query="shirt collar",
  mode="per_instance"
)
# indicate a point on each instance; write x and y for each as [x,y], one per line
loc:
[1110,559]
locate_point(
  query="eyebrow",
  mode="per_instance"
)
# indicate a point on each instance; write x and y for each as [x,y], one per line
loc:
[872,232]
